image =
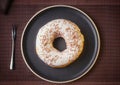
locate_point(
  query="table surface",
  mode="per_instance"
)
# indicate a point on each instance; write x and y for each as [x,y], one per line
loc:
[105,14]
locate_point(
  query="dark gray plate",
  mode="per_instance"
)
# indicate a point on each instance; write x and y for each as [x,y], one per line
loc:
[77,69]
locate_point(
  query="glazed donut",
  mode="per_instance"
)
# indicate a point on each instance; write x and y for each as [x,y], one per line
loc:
[74,40]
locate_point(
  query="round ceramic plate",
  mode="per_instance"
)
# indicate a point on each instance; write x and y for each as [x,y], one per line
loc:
[78,68]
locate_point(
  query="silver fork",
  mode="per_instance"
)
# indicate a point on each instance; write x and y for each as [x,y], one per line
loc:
[13,47]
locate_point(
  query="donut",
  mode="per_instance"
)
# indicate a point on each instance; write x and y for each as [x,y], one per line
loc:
[72,35]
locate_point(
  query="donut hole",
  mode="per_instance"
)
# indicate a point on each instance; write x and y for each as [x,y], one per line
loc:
[59,44]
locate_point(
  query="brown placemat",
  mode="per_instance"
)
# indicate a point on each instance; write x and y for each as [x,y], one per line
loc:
[107,67]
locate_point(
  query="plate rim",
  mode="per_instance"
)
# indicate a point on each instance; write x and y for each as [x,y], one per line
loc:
[53,6]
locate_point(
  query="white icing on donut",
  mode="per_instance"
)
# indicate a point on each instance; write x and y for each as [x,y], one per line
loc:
[59,28]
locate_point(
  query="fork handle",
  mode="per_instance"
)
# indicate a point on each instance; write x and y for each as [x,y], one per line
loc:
[12,54]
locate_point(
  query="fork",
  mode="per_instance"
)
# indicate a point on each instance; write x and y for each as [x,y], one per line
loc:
[13,47]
